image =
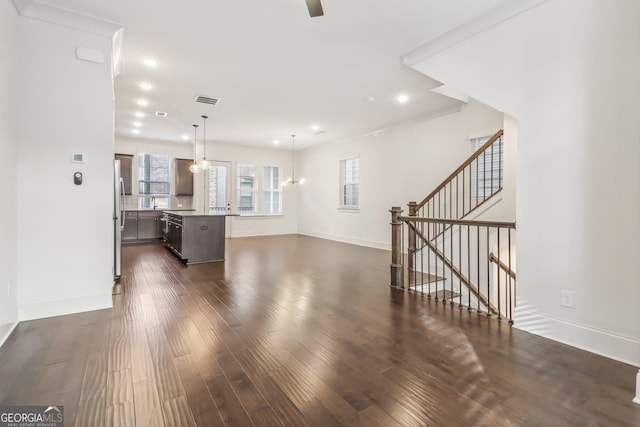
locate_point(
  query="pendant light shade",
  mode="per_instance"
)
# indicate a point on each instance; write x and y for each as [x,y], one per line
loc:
[293,180]
[194,168]
[204,163]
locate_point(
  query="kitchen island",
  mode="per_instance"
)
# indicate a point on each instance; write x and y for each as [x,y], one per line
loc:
[195,237]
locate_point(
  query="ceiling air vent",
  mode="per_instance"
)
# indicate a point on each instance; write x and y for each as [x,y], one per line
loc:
[207,100]
[161,114]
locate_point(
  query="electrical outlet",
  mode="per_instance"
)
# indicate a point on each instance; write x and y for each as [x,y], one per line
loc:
[566,299]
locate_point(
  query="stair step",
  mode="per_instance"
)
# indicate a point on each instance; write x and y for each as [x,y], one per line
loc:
[447,295]
[417,278]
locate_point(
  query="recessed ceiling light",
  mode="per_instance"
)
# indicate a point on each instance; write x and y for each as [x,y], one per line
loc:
[150,63]
[402,99]
[142,102]
[139,114]
[161,114]
[371,99]
[315,128]
[145,86]
[137,124]
[136,131]
[276,142]
[185,137]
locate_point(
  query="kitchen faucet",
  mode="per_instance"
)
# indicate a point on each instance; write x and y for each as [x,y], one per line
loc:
[153,202]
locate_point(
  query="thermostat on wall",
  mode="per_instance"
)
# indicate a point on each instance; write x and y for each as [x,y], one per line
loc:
[77,158]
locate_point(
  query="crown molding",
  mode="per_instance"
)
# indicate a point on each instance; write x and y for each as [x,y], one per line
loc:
[67,18]
[491,18]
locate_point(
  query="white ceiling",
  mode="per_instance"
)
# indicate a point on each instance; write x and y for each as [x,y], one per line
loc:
[276,70]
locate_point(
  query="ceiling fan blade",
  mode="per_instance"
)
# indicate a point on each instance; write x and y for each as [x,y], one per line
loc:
[315,8]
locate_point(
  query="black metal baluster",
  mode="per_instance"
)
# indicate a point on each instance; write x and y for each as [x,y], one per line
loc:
[469,265]
[478,265]
[464,184]
[450,200]
[460,264]
[484,176]
[498,271]
[429,259]
[492,157]
[422,253]
[477,167]
[402,252]
[451,264]
[457,198]
[488,278]
[422,268]
[500,160]
[435,254]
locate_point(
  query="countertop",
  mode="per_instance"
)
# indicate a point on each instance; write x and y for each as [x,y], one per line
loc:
[193,213]
[158,210]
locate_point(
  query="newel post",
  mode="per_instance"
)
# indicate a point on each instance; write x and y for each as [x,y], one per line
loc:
[413,211]
[396,248]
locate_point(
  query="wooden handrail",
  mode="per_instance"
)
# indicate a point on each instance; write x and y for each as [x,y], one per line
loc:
[478,206]
[461,167]
[500,224]
[504,267]
[455,270]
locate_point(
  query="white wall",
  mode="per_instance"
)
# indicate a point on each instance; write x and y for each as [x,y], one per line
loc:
[256,225]
[397,166]
[65,245]
[568,71]
[8,167]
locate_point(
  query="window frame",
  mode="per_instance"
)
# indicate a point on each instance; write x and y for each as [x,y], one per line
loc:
[161,199]
[344,182]
[254,190]
[485,191]
[271,191]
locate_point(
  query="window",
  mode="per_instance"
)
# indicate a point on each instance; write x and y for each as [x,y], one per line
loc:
[487,169]
[247,189]
[272,195]
[153,180]
[349,183]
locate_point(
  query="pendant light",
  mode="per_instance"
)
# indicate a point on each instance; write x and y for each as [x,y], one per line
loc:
[204,163]
[194,168]
[292,180]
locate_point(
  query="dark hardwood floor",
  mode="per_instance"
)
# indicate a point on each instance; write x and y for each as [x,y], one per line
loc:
[296,331]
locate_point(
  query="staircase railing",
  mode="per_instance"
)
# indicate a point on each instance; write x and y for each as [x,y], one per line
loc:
[504,267]
[474,181]
[444,249]
[456,263]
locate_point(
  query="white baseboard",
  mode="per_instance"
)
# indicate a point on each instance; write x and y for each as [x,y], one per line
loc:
[254,233]
[605,343]
[6,329]
[637,398]
[39,309]
[347,239]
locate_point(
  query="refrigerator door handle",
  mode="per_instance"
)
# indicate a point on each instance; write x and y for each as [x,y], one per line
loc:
[123,212]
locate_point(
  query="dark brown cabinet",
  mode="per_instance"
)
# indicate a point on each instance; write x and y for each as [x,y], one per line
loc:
[126,170]
[130,232]
[196,238]
[149,225]
[184,177]
[142,226]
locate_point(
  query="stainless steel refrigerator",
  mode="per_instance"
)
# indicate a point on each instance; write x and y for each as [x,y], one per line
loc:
[118,219]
